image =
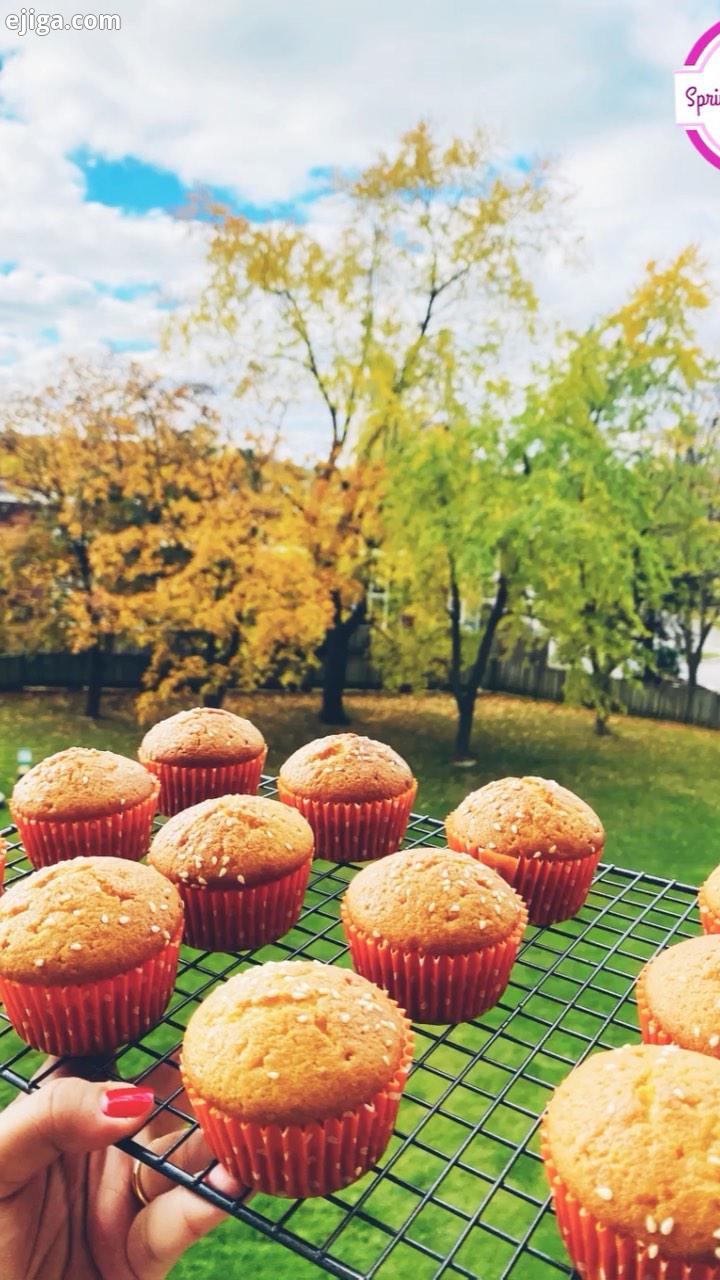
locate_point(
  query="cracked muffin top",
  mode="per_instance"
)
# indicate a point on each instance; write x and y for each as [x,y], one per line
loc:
[82,783]
[525,818]
[85,919]
[346,766]
[201,736]
[233,839]
[635,1136]
[292,1042]
[433,900]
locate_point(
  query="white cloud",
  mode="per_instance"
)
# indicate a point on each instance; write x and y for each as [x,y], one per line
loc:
[252,97]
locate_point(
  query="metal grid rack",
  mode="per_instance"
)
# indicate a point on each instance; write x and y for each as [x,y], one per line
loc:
[460,1190]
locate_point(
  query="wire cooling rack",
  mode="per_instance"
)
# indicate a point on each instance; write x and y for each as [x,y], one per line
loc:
[460,1190]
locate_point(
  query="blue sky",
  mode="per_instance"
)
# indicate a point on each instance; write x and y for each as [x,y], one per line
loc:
[104,136]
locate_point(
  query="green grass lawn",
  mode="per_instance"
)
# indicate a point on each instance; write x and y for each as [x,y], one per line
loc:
[654,785]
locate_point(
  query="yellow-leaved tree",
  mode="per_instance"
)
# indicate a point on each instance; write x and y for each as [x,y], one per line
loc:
[343,316]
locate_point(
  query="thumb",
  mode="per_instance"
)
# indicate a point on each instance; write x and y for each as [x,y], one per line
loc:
[65,1117]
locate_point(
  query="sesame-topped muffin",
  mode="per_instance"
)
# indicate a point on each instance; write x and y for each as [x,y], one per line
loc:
[678,996]
[436,929]
[631,1142]
[201,753]
[355,793]
[241,865]
[295,1070]
[543,839]
[84,802]
[709,903]
[88,953]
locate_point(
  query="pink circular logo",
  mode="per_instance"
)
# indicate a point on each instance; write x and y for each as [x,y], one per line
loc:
[697,95]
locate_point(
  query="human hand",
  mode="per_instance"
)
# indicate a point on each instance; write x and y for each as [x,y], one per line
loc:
[68,1210]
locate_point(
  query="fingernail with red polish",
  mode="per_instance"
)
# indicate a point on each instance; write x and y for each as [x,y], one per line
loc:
[127,1102]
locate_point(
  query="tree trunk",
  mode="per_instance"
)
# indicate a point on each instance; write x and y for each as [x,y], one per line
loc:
[463,735]
[93,697]
[693,665]
[602,727]
[466,691]
[215,699]
[335,657]
[335,651]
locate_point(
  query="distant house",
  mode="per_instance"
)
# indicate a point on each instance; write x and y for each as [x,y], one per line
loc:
[13,510]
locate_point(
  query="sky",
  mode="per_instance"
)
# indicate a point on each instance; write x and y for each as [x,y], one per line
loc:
[104,133]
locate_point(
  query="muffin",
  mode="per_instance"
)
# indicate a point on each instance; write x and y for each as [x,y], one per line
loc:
[202,753]
[709,903]
[437,930]
[241,866]
[83,802]
[295,1071]
[544,840]
[88,953]
[678,996]
[355,793]
[631,1143]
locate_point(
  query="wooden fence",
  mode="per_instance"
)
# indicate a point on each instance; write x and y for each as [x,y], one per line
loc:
[531,679]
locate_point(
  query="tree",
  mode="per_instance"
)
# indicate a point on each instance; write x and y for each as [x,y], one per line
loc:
[97,453]
[455,526]
[589,437]
[686,471]
[232,600]
[429,241]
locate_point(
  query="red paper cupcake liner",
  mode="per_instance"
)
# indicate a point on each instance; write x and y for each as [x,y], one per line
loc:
[599,1253]
[184,785]
[354,832]
[234,919]
[709,921]
[553,888]
[300,1160]
[93,1017]
[436,988]
[122,835]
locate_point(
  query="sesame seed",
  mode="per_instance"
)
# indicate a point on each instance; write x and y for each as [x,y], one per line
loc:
[201,880]
[653,1250]
[679,1093]
[537,853]
[76,946]
[303,1017]
[154,928]
[431,907]
[240,879]
[152,906]
[604,1193]
[716,1233]
[273,1075]
[650,1225]
[491,844]
[714,1041]
[123,919]
[696,1031]
[39,963]
[344,1017]
[386,1060]
[454,909]
[497,826]
[714,1160]
[717,1253]
[553,848]
[104,919]
[666,1226]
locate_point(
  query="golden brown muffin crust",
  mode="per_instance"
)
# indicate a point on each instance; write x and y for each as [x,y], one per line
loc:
[82,783]
[84,919]
[682,990]
[202,736]
[635,1136]
[245,839]
[523,817]
[710,891]
[433,900]
[292,1042]
[346,766]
